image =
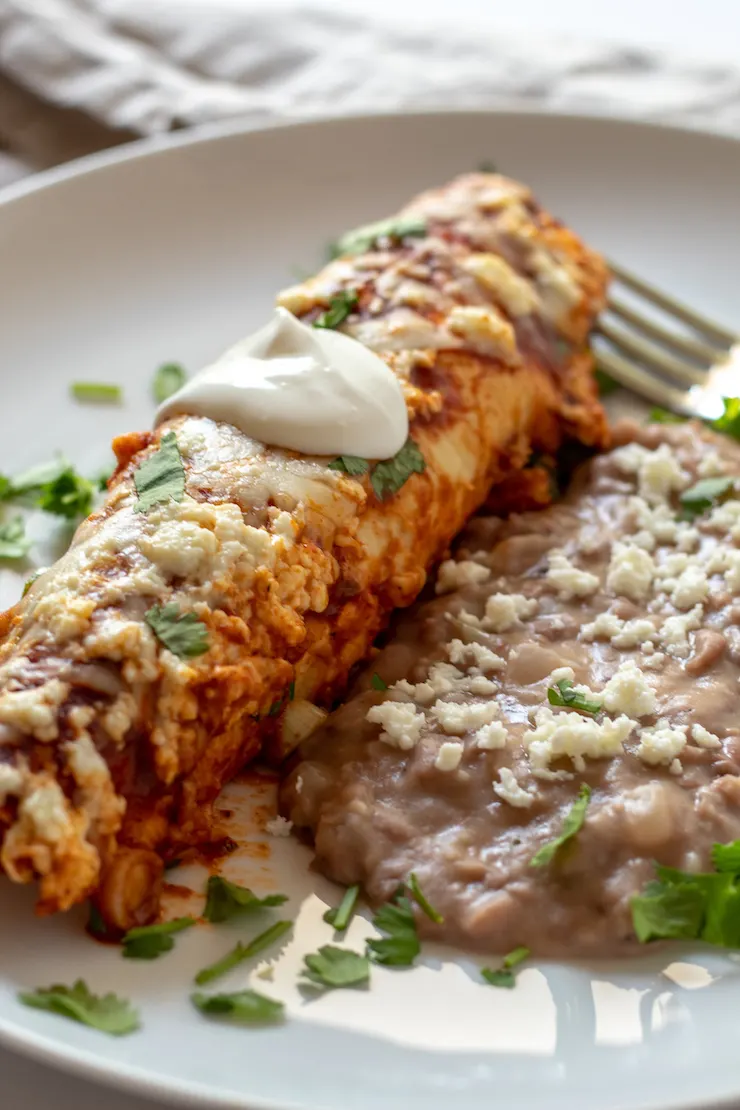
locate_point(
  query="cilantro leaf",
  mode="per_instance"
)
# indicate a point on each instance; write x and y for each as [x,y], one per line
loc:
[247,1006]
[341,916]
[243,952]
[705,493]
[562,693]
[108,1013]
[31,480]
[225,899]
[572,824]
[336,967]
[663,416]
[388,476]
[377,683]
[68,495]
[96,391]
[605,383]
[13,541]
[340,307]
[729,421]
[726,857]
[167,380]
[361,239]
[400,946]
[350,464]
[504,976]
[147,942]
[181,633]
[161,476]
[667,912]
[422,903]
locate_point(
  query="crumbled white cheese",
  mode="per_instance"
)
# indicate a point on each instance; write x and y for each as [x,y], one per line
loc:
[510,791]
[661,474]
[570,735]
[691,588]
[442,679]
[676,768]
[457,718]
[568,580]
[703,738]
[659,520]
[483,657]
[655,661]
[687,537]
[278,826]
[455,576]
[449,756]
[628,692]
[490,737]
[732,569]
[180,548]
[481,686]
[401,723]
[46,810]
[675,630]
[604,627]
[630,571]
[503,611]
[726,518]
[635,633]
[711,465]
[299,785]
[662,743]
[34,711]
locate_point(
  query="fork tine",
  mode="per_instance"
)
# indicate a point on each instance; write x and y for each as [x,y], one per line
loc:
[642,382]
[703,353]
[648,353]
[676,308]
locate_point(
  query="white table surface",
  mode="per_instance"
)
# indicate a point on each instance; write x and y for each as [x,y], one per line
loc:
[704,29]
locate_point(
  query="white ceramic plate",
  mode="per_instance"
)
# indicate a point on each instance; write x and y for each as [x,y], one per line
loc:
[173,251]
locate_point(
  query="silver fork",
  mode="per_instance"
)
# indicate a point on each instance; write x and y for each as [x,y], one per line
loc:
[687,364]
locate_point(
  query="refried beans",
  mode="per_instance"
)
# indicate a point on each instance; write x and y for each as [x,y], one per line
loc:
[462,769]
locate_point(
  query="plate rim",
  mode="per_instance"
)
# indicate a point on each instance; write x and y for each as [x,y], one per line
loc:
[131,1078]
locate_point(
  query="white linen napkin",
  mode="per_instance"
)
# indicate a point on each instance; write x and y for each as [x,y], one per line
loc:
[144,66]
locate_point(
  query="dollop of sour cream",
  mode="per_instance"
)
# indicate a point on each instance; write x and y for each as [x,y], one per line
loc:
[312,390]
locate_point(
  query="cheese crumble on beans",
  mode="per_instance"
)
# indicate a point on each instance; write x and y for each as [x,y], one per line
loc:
[462,769]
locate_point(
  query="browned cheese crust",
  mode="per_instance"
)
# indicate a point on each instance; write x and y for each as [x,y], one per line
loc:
[112,747]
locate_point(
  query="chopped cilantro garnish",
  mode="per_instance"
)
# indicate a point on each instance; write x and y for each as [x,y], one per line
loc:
[387,477]
[336,967]
[705,493]
[341,916]
[663,416]
[504,976]
[167,380]
[688,905]
[147,942]
[729,421]
[377,683]
[31,579]
[181,633]
[563,694]
[96,391]
[277,706]
[68,495]
[572,824]
[225,899]
[605,383]
[362,239]
[340,307]
[726,857]
[161,476]
[36,477]
[247,1006]
[416,893]
[400,946]
[13,541]
[108,1013]
[243,952]
[350,464]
